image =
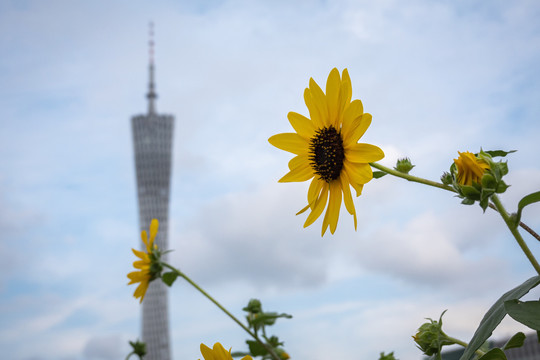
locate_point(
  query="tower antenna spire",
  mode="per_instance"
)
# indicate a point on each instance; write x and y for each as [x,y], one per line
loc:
[151,87]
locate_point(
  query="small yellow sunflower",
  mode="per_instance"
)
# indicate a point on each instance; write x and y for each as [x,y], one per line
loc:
[145,274]
[469,168]
[327,149]
[218,353]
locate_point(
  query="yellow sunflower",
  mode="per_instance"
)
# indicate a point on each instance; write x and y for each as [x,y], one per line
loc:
[218,353]
[469,168]
[327,149]
[145,274]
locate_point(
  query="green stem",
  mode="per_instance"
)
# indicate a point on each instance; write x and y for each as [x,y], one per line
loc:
[464,344]
[209,297]
[515,232]
[411,177]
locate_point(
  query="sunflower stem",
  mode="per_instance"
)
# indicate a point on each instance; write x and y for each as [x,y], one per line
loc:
[464,344]
[411,177]
[222,308]
[515,232]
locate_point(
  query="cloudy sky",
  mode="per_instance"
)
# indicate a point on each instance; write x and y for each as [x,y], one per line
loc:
[437,76]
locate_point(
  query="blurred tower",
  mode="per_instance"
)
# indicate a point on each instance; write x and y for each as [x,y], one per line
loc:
[152,140]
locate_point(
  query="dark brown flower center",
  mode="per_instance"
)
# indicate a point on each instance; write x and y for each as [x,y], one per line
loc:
[326,153]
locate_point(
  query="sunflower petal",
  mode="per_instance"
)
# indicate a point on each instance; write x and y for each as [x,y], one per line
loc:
[290,142]
[314,191]
[303,209]
[154,226]
[301,124]
[363,153]
[333,87]
[141,254]
[359,127]
[334,205]
[346,88]
[358,173]
[303,172]
[319,99]
[347,197]
[358,188]
[298,160]
[206,352]
[351,113]
[318,207]
[314,112]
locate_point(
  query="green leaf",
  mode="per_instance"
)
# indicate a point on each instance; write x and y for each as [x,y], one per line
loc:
[169,277]
[378,174]
[527,200]
[501,153]
[527,313]
[495,315]
[268,318]
[515,341]
[255,348]
[494,354]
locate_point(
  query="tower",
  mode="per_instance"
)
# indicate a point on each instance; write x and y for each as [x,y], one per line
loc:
[152,141]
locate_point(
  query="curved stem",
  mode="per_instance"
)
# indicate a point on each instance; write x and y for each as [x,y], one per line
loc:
[465,345]
[411,177]
[209,297]
[515,232]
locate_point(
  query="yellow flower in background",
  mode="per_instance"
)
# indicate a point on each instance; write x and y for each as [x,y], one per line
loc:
[327,149]
[218,353]
[144,275]
[469,168]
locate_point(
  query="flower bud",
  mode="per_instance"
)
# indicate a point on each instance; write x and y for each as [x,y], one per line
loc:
[404,165]
[430,338]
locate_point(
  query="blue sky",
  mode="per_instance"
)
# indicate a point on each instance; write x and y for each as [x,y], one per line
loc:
[437,76]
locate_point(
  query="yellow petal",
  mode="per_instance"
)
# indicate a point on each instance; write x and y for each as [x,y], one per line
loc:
[221,353]
[319,206]
[207,352]
[314,112]
[319,100]
[333,87]
[358,173]
[347,197]
[351,113]
[314,191]
[302,125]
[363,153]
[299,160]
[290,142]
[141,264]
[303,172]
[154,226]
[141,290]
[346,89]
[358,188]
[144,237]
[141,254]
[303,209]
[334,204]
[359,127]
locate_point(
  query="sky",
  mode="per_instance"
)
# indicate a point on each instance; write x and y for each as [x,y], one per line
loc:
[437,76]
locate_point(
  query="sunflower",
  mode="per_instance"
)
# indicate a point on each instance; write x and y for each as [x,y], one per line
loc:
[327,149]
[218,353]
[469,168]
[147,271]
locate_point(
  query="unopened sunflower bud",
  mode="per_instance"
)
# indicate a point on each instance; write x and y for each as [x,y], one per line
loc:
[404,165]
[430,338]
[390,356]
[139,349]
[446,178]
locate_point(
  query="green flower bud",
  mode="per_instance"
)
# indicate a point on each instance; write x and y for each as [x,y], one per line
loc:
[390,356]
[404,165]
[139,349]
[430,338]
[476,177]
[446,178]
